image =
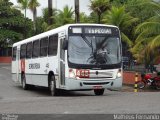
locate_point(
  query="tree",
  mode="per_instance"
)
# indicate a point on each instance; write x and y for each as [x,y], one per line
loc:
[32,5]
[142,9]
[50,20]
[118,16]
[92,17]
[99,7]
[77,15]
[45,15]
[41,25]
[63,17]
[84,18]
[147,37]
[42,22]
[12,24]
[148,40]
[23,5]
[118,3]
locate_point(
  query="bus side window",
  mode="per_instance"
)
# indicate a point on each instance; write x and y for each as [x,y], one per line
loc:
[36,49]
[14,51]
[44,46]
[29,50]
[23,51]
[53,44]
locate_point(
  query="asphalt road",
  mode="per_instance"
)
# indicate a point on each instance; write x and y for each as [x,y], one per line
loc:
[13,99]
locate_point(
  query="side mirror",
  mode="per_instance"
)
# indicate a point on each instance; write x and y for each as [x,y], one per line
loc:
[65,45]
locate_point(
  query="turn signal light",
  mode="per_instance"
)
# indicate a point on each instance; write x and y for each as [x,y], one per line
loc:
[71,73]
[119,74]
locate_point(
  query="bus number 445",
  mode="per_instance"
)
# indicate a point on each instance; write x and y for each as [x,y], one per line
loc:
[82,73]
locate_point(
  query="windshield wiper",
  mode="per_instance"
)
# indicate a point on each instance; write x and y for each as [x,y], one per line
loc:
[87,41]
[103,41]
[93,54]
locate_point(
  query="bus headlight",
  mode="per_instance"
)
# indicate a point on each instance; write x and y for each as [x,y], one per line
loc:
[119,74]
[71,73]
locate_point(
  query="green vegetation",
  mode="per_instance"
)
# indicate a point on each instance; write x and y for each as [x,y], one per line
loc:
[147,30]
[32,5]
[12,24]
[63,17]
[117,16]
[99,7]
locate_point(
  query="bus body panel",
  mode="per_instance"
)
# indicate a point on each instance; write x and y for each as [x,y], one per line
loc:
[38,75]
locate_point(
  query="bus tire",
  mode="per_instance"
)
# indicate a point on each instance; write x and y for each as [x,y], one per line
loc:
[157,84]
[23,82]
[98,91]
[52,86]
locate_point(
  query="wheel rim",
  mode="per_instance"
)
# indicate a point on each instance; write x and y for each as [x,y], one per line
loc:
[141,85]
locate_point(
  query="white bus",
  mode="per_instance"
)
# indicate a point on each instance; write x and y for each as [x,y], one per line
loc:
[71,57]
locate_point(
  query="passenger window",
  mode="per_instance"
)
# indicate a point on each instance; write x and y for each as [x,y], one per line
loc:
[23,51]
[29,50]
[53,43]
[44,46]
[36,49]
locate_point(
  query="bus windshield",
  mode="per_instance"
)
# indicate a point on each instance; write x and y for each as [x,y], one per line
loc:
[94,50]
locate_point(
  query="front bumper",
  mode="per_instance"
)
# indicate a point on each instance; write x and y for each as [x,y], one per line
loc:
[82,84]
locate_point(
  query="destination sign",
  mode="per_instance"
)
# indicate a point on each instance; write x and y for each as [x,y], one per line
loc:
[98,30]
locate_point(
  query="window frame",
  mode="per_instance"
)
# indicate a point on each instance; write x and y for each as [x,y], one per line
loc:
[42,48]
[29,50]
[37,48]
[53,51]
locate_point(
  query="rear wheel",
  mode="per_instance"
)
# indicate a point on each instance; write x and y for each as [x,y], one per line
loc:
[140,84]
[98,91]
[157,83]
[52,86]
[23,82]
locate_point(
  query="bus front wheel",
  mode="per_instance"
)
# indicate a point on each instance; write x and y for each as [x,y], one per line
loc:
[98,91]
[52,86]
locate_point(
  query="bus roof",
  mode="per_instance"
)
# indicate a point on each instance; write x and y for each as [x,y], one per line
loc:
[57,30]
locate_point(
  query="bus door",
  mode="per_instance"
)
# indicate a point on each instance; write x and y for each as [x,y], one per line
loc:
[18,65]
[61,59]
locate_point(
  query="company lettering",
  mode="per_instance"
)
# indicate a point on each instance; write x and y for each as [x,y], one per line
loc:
[34,66]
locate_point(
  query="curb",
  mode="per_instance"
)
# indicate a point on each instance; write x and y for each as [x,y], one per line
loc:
[5,63]
[129,85]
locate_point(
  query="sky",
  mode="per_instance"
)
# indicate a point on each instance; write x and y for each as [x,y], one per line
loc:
[59,4]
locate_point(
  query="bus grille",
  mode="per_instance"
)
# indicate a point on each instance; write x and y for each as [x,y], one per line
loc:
[95,83]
